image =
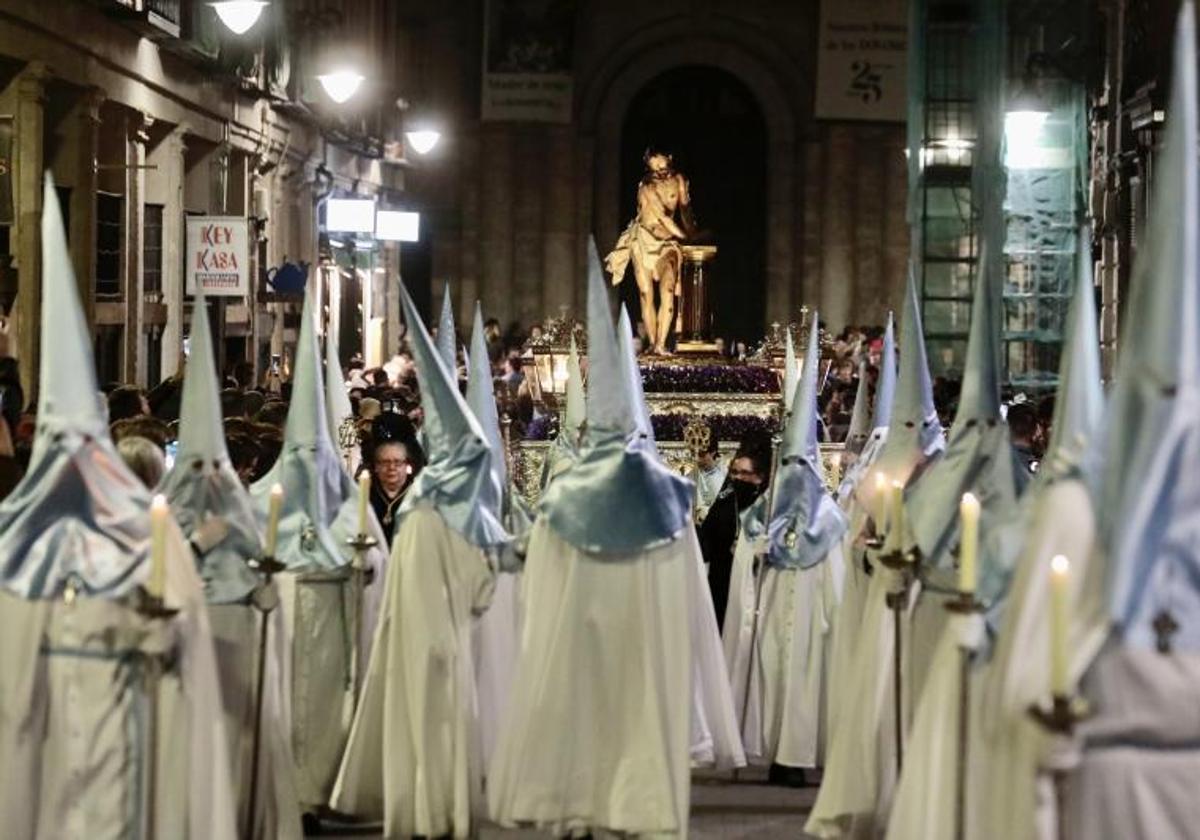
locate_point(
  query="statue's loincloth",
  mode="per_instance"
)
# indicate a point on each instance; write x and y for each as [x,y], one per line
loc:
[636,242]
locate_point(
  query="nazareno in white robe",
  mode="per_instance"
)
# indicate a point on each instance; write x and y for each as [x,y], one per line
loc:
[860,770]
[414,756]
[595,738]
[495,637]
[73,716]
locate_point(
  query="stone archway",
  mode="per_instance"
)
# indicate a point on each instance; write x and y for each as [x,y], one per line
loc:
[759,65]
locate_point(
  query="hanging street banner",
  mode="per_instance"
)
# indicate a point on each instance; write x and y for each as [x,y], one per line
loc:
[527,55]
[218,255]
[861,60]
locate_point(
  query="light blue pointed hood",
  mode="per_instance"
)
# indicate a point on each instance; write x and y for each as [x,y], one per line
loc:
[203,481]
[860,418]
[914,436]
[874,437]
[806,522]
[482,401]
[618,476]
[1148,501]
[791,368]
[979,457]
[447,335]
[1072,451]
[337,401]
[78,513]
[459,478]
[309,467]
[633,375]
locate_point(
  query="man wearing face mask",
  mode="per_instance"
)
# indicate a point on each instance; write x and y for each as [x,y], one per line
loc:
[748,474]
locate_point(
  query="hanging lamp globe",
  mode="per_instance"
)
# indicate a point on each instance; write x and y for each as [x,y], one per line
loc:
[239,15]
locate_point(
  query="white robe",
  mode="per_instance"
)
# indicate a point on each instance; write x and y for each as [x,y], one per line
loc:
[413,754]
[596,736]
[925,806]
[1011,747]
[73,713]
[715,741]
[236,637]
[796,612]
[861,767]
[495,637]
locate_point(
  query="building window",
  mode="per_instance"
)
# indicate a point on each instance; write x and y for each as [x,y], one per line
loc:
[152,248]
[154,345]
[110,209]
[108,352]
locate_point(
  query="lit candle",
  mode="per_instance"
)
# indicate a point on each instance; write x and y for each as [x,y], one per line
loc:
[881,500]
[1059,611]
[159,513]
[364,495]
[969,543]
[273,511]
[835,471]
[895,538]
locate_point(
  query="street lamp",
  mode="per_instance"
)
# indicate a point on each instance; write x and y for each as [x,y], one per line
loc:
[239,15]
[423,140]
[340,84]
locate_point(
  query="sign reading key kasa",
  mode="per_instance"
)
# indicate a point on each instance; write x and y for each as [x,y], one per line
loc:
[218,255]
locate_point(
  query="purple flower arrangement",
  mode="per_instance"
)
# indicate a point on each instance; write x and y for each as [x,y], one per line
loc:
[727,427]
[709,379]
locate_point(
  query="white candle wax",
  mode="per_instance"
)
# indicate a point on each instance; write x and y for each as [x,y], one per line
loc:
[969,543]
[1059,615]
[364,496]
[896,522]
[880,503]
[273,510]
[159,513]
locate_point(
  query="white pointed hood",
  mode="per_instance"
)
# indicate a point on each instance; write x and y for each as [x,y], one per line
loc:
[482,401]
[618,476]
[860,418]
[78,513]
[203,482]
[447,335]
[806,522]
[337,401]
[979,457]
[309,467]
[914,435]
[1148,502]
[791,371]
[458,480]
[633,375]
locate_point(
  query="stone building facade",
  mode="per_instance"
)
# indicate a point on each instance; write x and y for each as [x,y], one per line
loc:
[145,111]
[513,203]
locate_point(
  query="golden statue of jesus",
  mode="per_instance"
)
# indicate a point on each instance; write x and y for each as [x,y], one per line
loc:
[652,242]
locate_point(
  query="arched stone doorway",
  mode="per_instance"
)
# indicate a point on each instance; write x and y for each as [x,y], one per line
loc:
[775,82]
[713,125]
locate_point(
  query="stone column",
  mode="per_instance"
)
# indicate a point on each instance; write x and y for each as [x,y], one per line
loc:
[837,241]
[558,223]
[29,155]
[497,222]
[83,199]
[813,190]
[780,264]
[169,157]
[868,294]
[134,363]
[528,187]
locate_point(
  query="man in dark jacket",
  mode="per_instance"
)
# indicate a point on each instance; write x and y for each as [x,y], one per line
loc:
[748,475]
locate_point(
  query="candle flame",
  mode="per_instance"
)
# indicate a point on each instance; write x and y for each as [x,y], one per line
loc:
[881,481]
[896,485]
[277,490]
[969,500]
[1060,565]
[159,503]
